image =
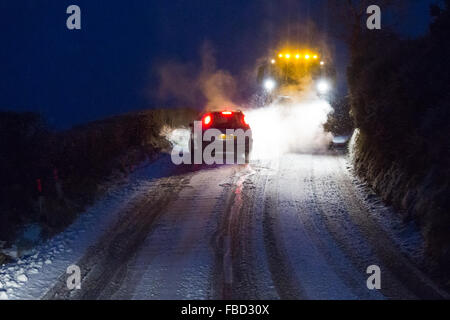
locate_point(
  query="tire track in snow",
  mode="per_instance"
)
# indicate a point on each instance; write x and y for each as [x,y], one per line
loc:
[283,274]
[176,260]
[384,245]
[329,194]
[237,232]
[299,173]
[241,229]
[102,261]
[234,266]
[255,209]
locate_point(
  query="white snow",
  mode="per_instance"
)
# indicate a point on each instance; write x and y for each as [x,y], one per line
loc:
[33,271]
[407,235]
[12,252]
[12,284]
[3,295]
[176,258]
[178,137]
[22,278]
[32,275]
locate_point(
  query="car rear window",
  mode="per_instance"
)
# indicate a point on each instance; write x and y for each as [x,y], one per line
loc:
[227,121]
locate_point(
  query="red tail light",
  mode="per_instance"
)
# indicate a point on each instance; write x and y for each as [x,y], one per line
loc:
[227,113]
[207,119]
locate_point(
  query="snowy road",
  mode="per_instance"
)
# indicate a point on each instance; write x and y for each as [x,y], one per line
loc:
[298,227]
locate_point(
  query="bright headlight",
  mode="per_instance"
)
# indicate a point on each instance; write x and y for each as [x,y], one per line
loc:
[323,86]
[269,84]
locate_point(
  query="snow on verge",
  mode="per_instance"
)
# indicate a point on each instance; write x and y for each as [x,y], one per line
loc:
[406,234]
[31,276]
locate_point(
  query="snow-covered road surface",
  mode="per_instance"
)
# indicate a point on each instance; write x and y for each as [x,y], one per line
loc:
[297,227]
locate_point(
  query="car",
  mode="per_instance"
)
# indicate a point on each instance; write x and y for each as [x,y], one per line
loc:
[229,125]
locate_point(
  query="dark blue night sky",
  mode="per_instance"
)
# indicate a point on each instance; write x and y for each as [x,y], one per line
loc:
[108,67]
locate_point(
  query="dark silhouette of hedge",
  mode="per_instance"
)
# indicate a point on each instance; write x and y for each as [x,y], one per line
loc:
[80,159]
[400,100]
